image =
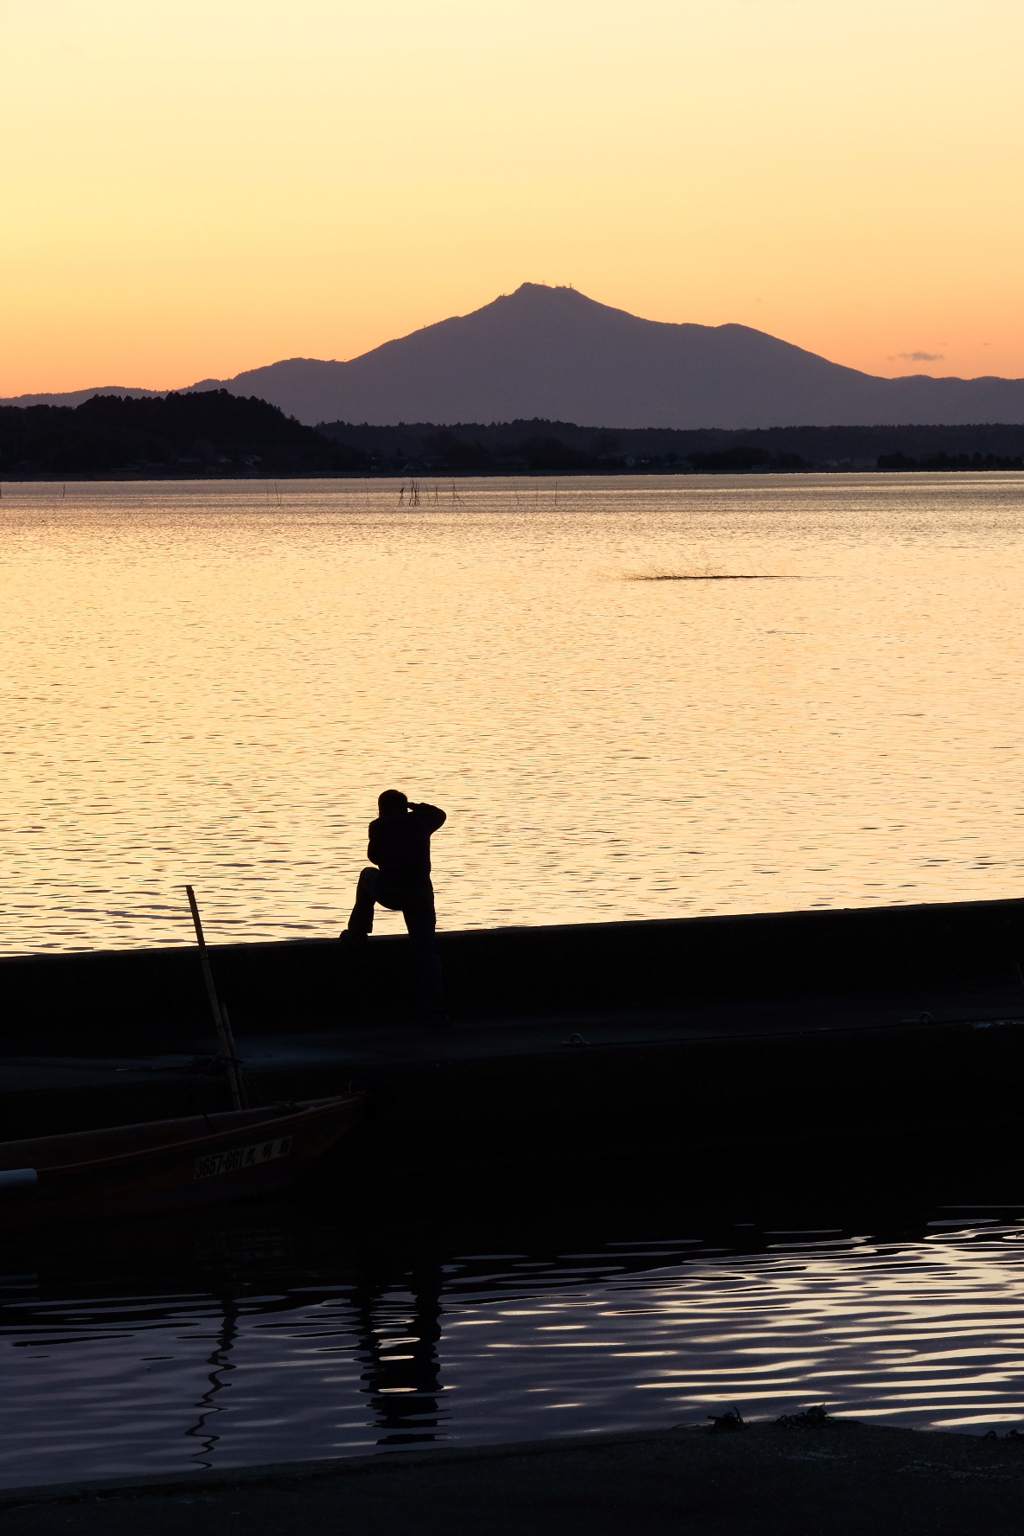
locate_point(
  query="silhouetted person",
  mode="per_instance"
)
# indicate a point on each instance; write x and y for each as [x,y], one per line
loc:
[400,848]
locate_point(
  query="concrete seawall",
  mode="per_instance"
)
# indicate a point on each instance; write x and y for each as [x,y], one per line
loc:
[780,1027]
[100,1001]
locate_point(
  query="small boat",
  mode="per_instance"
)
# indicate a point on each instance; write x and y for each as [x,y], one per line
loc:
[167,1165]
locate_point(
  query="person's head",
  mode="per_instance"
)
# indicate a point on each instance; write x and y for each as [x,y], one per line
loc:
[392,803]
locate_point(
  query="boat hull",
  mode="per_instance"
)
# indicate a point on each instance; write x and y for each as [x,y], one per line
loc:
[168,1165]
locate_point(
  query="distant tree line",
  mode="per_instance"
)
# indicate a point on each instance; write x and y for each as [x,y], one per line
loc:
[188,435]
[213,433]
[950,461]
[557,447]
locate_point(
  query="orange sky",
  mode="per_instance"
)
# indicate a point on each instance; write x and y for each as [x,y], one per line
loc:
[197,188]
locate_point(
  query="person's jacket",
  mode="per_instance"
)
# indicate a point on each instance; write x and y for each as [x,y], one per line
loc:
[400,844]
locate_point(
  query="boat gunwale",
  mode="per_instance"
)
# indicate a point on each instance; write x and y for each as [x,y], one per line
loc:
[309,1110]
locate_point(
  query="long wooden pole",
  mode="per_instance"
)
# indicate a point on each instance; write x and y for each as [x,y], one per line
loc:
[224,1035]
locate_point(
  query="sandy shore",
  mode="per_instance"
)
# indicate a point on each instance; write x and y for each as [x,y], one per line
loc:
[839,1479]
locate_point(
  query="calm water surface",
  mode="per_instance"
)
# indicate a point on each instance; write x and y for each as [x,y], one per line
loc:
[208,683]
[274,1343]
[211,682]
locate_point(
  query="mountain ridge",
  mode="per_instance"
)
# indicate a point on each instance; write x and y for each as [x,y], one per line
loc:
[556,354]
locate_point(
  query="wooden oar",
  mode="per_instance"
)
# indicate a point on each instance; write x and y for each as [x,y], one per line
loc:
[220,1019]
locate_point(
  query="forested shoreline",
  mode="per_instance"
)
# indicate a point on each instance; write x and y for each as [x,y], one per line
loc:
[213,434]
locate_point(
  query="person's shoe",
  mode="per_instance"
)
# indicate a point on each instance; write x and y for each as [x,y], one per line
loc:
[351,939]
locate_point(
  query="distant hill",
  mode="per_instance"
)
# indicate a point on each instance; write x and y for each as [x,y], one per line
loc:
[555,354]
[552,353]
[189,435]
[74,397]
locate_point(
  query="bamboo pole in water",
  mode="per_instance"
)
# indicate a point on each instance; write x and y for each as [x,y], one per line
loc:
[224,1035]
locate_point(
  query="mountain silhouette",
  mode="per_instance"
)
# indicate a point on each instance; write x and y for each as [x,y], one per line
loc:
[73,397]
[553,353]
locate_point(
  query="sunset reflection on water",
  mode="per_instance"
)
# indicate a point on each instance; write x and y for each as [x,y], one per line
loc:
[212,682]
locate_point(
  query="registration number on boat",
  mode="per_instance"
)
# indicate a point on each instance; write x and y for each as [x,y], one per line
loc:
[242,1157]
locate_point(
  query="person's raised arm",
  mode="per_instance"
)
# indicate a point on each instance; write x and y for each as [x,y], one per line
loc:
[431,815]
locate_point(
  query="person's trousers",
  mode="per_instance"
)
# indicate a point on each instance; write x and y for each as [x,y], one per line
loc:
[416,904]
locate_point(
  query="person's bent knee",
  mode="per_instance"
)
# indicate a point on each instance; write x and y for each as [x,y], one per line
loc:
[361,920]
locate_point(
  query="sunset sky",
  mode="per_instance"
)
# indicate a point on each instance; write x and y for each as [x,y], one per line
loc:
[196,188]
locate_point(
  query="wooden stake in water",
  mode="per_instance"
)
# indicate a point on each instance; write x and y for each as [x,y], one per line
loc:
[220,1019]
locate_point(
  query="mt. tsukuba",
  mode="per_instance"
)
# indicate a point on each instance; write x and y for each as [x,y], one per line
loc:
[553,353]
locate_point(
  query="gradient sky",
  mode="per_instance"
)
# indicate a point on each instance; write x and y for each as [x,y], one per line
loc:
[195,188]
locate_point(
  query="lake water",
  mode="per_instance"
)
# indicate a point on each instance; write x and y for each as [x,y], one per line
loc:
[212,682]
[260,1337]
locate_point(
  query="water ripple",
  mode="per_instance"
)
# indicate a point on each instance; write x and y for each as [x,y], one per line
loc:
[201,686]
[925,1333]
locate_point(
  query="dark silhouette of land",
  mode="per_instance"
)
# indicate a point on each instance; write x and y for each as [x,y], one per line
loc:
[177,434]
[555,354]
[561,448]
[74,397]
[210,434]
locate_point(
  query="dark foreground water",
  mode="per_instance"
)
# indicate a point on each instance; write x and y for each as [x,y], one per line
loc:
[321,1326]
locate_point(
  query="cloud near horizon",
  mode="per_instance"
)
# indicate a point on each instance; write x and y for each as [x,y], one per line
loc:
[918,357]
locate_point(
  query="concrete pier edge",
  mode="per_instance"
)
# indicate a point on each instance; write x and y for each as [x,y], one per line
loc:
[693,1026]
